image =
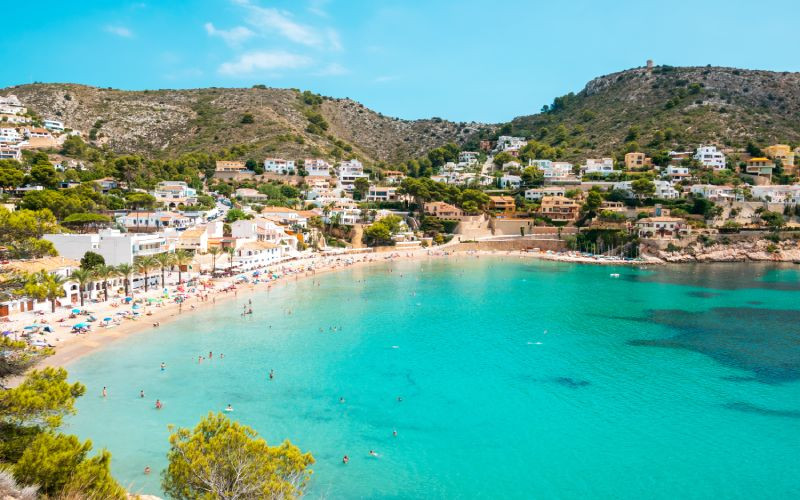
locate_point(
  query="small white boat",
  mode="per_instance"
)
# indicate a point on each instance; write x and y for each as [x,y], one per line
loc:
[614,275]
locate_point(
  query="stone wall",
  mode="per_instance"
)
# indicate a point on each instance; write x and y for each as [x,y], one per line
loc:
[515,245]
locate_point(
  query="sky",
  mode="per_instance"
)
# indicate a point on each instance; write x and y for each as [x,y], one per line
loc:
[462,60]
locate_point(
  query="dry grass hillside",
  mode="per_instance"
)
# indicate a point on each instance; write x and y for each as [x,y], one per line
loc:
[169,122]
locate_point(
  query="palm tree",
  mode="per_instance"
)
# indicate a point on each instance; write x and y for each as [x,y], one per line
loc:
[83,277]
[144,265]
[164,260]
[103,273]
[181,258]
[126,271]
[52,286]
[231,251]
[214,251]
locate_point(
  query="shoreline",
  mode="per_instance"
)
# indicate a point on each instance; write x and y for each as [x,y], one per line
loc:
[71,347]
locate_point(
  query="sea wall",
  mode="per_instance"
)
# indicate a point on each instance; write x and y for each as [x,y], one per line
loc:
[515,245]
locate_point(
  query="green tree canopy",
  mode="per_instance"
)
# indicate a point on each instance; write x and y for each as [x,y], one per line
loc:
[222,459]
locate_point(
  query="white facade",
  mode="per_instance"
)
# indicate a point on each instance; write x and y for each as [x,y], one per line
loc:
[536,194]
[710,157]
[603,166]
[382,193]
[664,189]
[558,171]
[173,193]
[54,125]
[279,166]
[11,105]
[788,195]
[10,152]
[469,157]
[348,172]
[318,167]
[153,221]
[9,134]
[510,181]
[115,247]
[510,143]
[677,172]
[716,193]
[255,255]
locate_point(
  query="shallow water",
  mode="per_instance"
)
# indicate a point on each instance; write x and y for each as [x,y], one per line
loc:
[518,379]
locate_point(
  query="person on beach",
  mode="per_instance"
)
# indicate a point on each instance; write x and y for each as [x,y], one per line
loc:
[105,393]
[158,404]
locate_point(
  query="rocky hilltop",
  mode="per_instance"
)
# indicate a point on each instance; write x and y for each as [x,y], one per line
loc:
[669,108]
[285,122]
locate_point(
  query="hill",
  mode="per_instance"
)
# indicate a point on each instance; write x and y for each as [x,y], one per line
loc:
[285,122]
[672,108]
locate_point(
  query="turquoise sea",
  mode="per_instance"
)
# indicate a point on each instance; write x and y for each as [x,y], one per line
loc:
[518,379]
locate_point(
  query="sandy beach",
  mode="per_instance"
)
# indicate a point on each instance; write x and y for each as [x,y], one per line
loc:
[216,292]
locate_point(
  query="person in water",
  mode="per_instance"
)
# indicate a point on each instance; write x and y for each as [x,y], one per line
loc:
[229,408]
[345,459]
[105,393]
[141,393]
[341,400]
[271,374]
[158,404]
[163,366]
[394,432]
[373,454]
[147,469]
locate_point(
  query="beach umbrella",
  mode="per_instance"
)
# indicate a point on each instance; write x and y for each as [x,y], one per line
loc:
[76,311]
[80,325]
[135,306]
[106,319]
[8,333]
[128,299]
[31,327]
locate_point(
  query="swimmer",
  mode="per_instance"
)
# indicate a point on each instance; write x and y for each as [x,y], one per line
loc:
[399,399]
[271,374]
[394,432]
[341,400]
[141,393]
[163,366]
[158,404]
[229,408]
[210,354]
[345,459]
[373,454]
[105,393]
[147,469]
[199,359]
[221,355]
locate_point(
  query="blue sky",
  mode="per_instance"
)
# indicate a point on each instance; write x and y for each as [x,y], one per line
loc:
[462,60]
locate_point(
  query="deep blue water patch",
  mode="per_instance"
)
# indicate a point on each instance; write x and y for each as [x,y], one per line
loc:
[760,410]
[571,382]
[765,342]
[702,295]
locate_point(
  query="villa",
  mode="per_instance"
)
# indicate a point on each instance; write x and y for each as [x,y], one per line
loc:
[278,166]
[709,157]
[443,210]
[115,247]
[174,193]
[382,193]
[505,204]
[559,208]
[255,254]
[250,195]
[662,227]
[604,166]
[536,194]
[231,167]
[149,222]
[317,167]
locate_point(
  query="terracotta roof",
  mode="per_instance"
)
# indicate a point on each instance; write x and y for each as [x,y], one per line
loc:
[258,245]
[49,264]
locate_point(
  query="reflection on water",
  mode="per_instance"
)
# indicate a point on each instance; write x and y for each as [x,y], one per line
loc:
[765,342]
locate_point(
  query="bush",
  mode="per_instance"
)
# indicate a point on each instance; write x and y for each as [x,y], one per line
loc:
[247,118]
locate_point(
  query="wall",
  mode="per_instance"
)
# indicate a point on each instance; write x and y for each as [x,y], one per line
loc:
[512,245]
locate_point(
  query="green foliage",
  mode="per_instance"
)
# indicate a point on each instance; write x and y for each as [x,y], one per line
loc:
[91,260]
[643,187]
[59,463]
[316,123]
[310,98]
[378,234]
[41,400]
[11,174]
[21,232]
[772,219]
[74,147]
[220,458]
[83,220]
[235,214]
[247,119]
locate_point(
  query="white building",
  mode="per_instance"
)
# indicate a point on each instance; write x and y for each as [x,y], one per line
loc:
[558,171]
[788,195]
[717,193]
[664,189]
[11,105]
[10,152]
[9,135]
[174,193]
[510,181]
[258,230]
[317,167]
[255,255]
[603,166]
[348,172]
[536,194]
[469,157]
[710,157]
[115,247]
[147,222]
[510,144]
[677,173]
[54,125]
[382,193]
[279,166]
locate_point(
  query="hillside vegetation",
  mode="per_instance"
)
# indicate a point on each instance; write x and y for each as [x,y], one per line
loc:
[268,121]
[667,108]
